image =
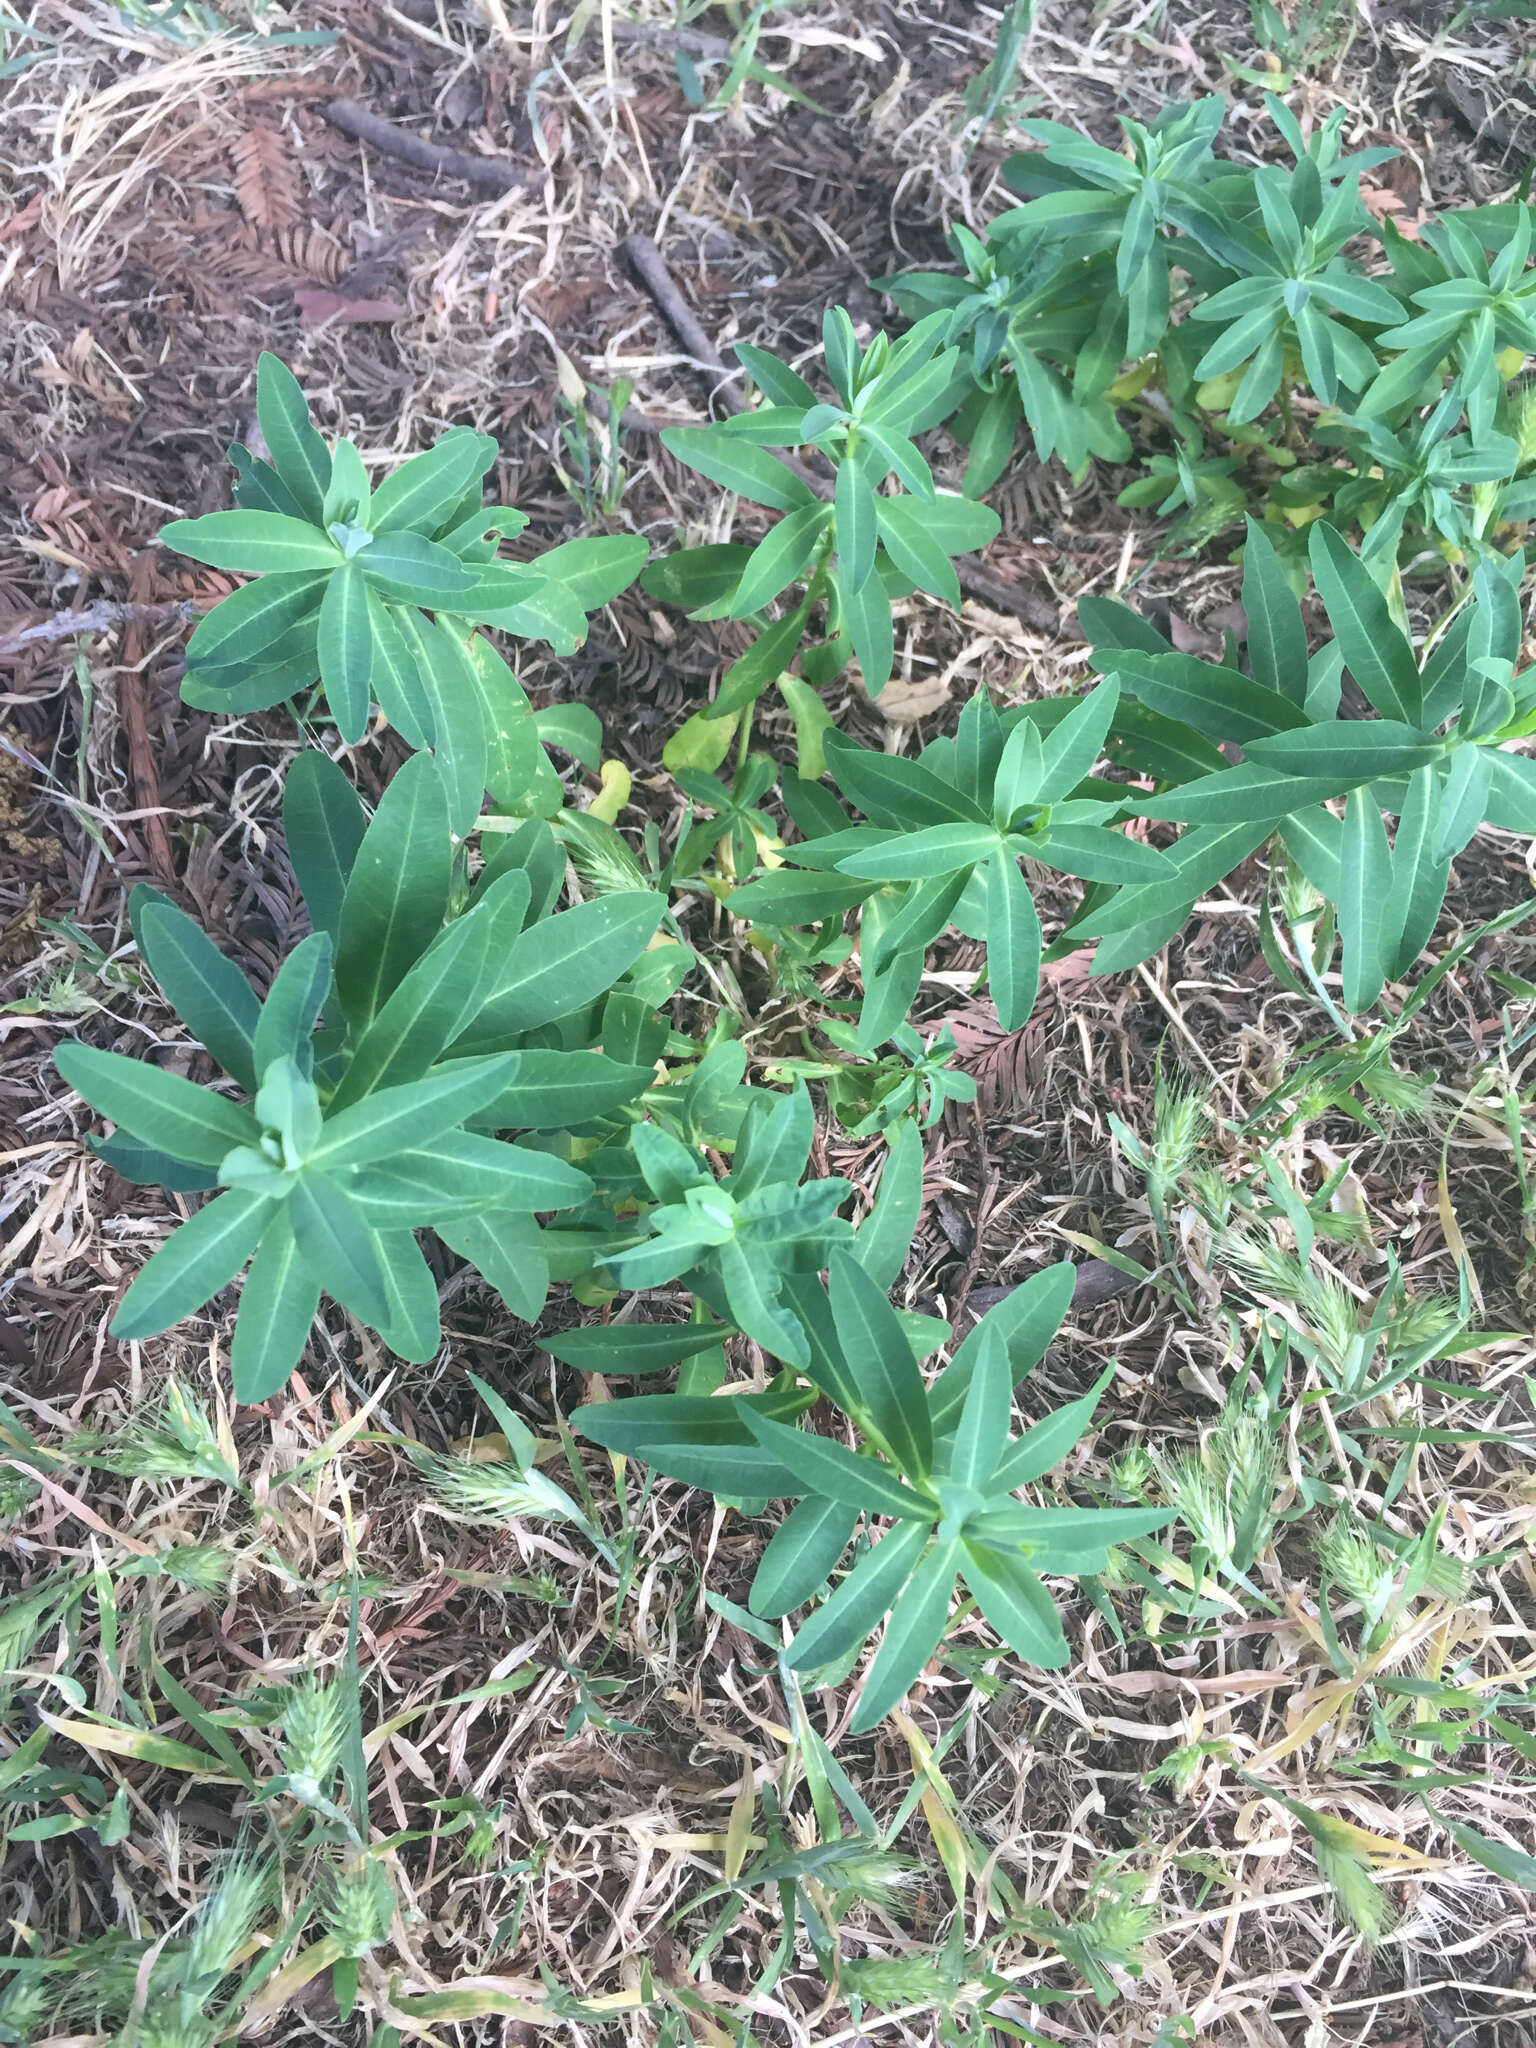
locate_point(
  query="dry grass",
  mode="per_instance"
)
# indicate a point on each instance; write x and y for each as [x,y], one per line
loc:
[621,1736]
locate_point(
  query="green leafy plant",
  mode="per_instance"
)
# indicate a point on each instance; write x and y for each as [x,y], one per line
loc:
[943,844]
[1472,311]
[1064,317]
[374,1068]
[734,1242]
[373,592]
[938,1460]
[1434,753]
[852,553]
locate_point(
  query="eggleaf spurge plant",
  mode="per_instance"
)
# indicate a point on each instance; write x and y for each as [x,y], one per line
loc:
[936,1461]
[1065,315]
[849,553]
[381,1059]
[943,842]
[374,594]
[1434,755]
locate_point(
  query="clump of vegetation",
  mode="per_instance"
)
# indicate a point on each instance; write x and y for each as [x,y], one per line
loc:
[522,1043]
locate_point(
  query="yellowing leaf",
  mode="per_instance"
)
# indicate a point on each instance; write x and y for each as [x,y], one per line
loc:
[142,1744]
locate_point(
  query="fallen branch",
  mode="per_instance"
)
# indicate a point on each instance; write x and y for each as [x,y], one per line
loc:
[650,268]
[100,617]
[495,173]
[142,767]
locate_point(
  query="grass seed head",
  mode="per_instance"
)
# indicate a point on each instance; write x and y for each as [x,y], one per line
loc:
[314,1729]
[359,1906]
[1362,1901]
[492,1493]
[228,1919]
[1180,1125]
[1356,1563]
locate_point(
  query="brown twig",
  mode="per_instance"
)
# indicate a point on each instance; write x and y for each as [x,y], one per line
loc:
[697,42]
[141,754]
[493,172]
[650,267]
[94,618]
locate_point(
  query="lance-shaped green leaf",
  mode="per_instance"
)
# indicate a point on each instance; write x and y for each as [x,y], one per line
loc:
[147,1167]
[867,617]
[907,538]
[857,524]
[1204,856]
[209,993]
[277,1312]
[423,492]
[1220,702]
[397,681]
[787,897]
[1463,799]
[559,966]
[397,892]
[982,1430]
[800,1557]
[396,1119]
[895,792]
[739,466]
[932,850]
[438,996]
[633,1347]
[704,1441]
[1020,773]
[861,1601]
[1027,1320]
[925,911]
[1277,634]
[553,1091]
[323,825]
[912,1634]
[1066,1539]
[412,1326]
[159,1108]
[1013,942]
[1253,792]
[775,1141]
[338,1247]
[298,454]
[1366,749]
[1365,887]
[893,1402]
[823,1466]
[346,651]
[753,1291]
[414,570]
[452,686]
[1016,1604]
[1420,873]
[780,559]
[885,1236]
[257,616]
[1378,656]
[194,1263]
[293,1005]
[253,542]
[1099,855]
[1074,744]
[507,1249]
[460,1170]
[1043,1446]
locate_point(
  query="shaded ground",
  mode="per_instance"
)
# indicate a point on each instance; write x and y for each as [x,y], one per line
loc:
[167,212]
